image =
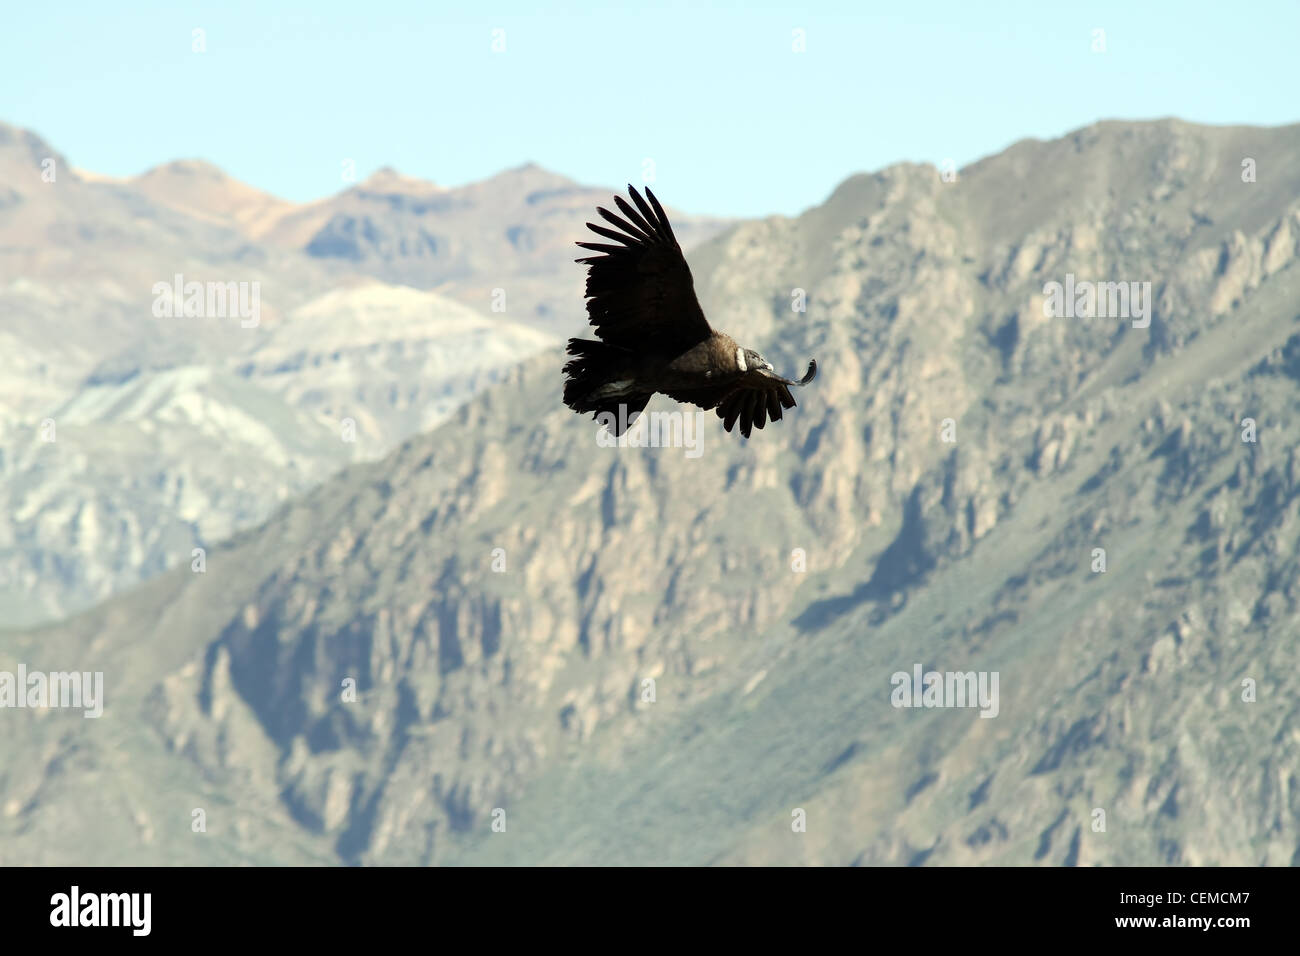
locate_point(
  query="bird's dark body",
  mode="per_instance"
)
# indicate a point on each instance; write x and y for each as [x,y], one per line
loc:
[654,336]
[713,360]
[709,362]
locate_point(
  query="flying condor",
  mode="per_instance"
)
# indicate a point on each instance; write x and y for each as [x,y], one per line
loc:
[653,334]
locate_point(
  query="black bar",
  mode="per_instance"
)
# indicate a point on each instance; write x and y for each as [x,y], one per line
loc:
[333,906]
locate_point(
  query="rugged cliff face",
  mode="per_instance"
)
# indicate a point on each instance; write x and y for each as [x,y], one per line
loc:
[636,655]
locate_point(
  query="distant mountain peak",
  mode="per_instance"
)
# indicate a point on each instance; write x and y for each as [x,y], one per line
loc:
[198,168]
[22,147]
[530,176]
[386,179]
[205,191]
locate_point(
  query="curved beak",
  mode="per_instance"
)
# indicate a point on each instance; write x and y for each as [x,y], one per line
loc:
[808,376]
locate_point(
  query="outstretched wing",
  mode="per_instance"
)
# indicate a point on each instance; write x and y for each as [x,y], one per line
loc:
[753,398]
[640,293]
[706,398]
[753,402]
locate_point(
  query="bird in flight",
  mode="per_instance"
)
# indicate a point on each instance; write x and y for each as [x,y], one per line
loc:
[654,337]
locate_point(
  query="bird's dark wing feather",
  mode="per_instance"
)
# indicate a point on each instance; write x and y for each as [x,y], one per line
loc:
[640,293]
[752,400]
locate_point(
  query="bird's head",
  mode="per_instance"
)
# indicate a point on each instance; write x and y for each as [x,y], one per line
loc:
[752,361]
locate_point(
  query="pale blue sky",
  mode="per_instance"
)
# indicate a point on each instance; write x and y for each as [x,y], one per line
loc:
[736,123]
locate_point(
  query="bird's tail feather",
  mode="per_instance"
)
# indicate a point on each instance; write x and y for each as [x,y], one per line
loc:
[594,368]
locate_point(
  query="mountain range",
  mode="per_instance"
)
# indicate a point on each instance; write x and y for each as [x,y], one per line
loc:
[503,642]
[132,433]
